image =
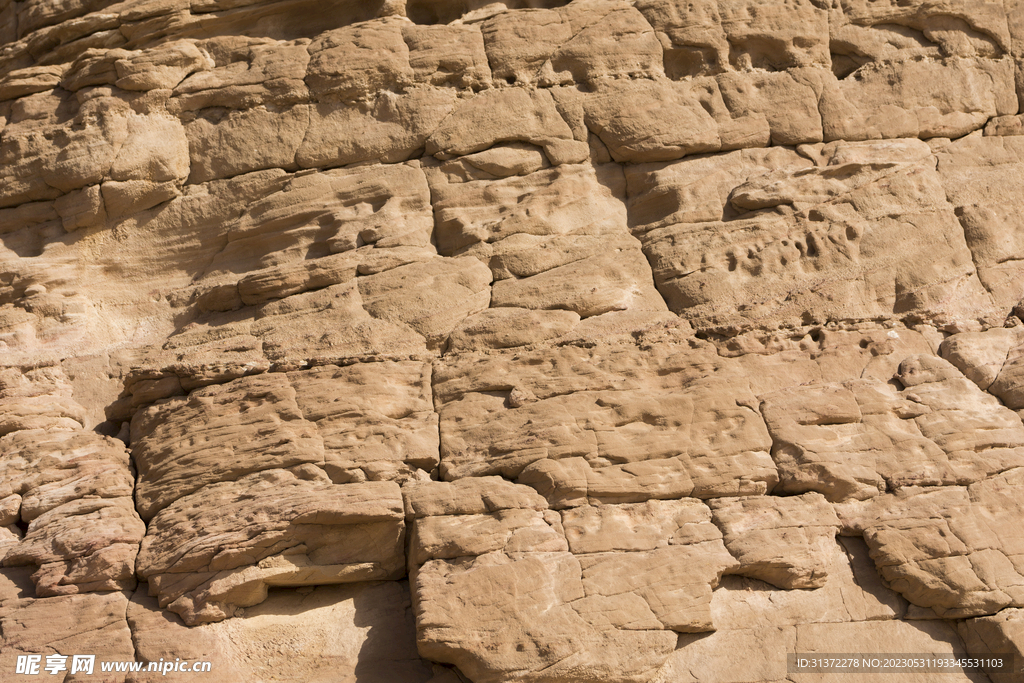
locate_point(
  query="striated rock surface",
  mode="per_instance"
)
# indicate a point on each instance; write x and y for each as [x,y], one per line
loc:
[560,341]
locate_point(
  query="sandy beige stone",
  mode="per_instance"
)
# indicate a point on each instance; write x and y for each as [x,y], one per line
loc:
[361,631]
[784,542]
[623,306]
[274,528]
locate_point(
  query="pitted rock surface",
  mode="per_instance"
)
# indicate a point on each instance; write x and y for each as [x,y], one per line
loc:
[434,341]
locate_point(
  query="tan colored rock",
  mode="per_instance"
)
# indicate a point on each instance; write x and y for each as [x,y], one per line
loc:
[82,208]
[352,62]
[633,120]
[156,150]
[785,542]
[1004,126]
[233,143]
[526,630]
[431,297]
[501,415]
[447,55]
[506,531]
[370,413]
[554,240]
[810,252]
[388,128]
[917,43]
[980,356]
[39,412]
[216,434]
[570,201]
[255,71]
[73,624]
[273,528]
[613,282]
[951,549]
[980,178]
[854,592]
[934,638]
[663,289]
[579,44]
[293,327]
[675,583]
[469,496]
[1007,384]
[51,468]
[751,654]
[858,439]
[160,68]
[568,482]
[500,161]
[71,490]
[279,240]
[23,82]
[494,116]
[502,328]
[623,582]
[640,527]
[42,159]
[698,190]
[999,635]
[619,44]
[320,635]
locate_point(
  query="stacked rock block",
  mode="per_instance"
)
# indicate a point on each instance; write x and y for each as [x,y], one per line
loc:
[437,340]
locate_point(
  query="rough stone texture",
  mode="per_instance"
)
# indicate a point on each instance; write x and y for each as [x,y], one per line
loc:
[357,632]
[580,589]
[532,340]
[273,528]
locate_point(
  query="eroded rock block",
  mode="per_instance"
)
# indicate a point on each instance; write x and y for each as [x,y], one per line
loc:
[981,180]
[370,413]
[550,596]
[1001,634]
[650,433]
[783,249]
[217,434]
[858,439]
[783,541]
[312,634]
[952,549]
[78,624]
[273,528]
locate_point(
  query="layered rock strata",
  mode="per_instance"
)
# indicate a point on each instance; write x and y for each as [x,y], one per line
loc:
[535,340]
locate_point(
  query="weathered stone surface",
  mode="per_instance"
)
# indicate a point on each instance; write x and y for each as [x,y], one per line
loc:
[370,413]
[952,549]
[917,43]
[784,542]
[623,306]
[981,180]
[545,594]
[934,638]
[72,624]
[219,434]
[855,440]
[71,490]
[344,633]
[503,415]
[471,496]
[999,635]
[784,250]
[273,528]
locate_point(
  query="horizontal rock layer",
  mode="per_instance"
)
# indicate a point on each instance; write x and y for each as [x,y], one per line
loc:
[537,340]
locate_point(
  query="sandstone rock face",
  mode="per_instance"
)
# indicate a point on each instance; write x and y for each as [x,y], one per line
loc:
[426,341]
